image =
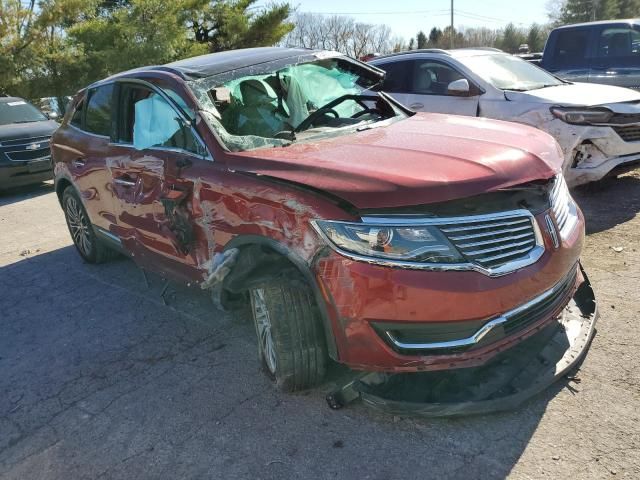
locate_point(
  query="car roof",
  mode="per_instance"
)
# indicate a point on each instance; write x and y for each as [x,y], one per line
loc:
[217,63]
[221,62]
[628,21]
[456,53]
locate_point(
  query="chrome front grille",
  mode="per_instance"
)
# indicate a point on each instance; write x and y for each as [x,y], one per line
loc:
[23,142]
[564,208]
[26,149]
[494,241]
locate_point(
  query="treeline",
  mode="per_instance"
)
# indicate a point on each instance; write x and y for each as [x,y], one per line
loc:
[54,47]
[508,39]
[576,11]
[345,34]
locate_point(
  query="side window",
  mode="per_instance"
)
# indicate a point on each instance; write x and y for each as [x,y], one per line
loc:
[148,120]
[76,119]
[397,78]
[98,116]
[433,78]
[571,48]
[619,42]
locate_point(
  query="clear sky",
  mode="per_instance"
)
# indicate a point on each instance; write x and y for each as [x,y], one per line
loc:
[407,17]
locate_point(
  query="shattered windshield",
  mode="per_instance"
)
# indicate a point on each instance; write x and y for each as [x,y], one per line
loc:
[291,104]
[507,72]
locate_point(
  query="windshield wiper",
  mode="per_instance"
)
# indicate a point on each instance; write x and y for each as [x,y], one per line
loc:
[26,121]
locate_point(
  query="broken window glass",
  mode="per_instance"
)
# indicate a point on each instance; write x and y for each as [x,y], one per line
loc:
[260,107]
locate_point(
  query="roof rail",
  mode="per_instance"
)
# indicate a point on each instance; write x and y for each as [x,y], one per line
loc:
[427,50]
[488,49]
[409,52]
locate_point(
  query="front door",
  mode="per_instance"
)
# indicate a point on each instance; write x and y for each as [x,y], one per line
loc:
[422,85]
[154,155]
[429,90]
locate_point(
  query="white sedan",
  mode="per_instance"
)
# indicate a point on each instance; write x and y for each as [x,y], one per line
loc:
[597,126]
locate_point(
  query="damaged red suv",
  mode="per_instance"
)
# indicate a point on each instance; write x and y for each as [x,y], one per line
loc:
[357,230]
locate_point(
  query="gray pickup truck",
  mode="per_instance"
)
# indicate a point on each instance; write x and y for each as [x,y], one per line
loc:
[605,52]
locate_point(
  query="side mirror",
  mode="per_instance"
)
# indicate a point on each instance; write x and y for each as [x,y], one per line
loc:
[459,88]
[52,116]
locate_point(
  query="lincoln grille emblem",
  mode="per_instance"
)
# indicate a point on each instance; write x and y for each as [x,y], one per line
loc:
[33,146]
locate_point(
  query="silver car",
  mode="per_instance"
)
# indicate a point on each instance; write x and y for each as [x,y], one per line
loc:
[596,126]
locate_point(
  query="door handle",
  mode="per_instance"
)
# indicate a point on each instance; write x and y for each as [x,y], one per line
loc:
[124,182]
[416,106]
[78,163]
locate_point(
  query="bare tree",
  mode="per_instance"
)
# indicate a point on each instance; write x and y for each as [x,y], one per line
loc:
[341,33]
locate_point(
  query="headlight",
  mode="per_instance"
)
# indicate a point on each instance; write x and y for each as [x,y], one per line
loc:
[577,116]
[424,244]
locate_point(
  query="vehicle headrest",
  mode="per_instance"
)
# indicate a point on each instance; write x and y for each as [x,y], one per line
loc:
[254,92]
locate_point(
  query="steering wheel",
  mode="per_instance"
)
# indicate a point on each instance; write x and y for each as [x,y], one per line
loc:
[364,112]
[307,122]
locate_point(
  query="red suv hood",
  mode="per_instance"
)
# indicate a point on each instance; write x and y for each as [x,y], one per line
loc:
[424,159]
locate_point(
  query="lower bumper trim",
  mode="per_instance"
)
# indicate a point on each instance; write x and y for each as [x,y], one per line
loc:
[510,379]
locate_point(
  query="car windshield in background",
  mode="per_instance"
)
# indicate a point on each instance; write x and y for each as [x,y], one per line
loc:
[322,98]
[507,72]
[19,111]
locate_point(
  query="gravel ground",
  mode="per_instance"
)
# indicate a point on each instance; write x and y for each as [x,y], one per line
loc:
[99,379]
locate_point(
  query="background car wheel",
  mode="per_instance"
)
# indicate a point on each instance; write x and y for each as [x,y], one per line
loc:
[291,343]
[81,230]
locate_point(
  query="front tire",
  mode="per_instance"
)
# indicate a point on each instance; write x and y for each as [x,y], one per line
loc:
[81,230]
[291,344]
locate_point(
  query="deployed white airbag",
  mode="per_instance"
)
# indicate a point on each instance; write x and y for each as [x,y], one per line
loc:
[155,122]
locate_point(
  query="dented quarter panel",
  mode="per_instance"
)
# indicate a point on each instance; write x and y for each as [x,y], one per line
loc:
[80,158]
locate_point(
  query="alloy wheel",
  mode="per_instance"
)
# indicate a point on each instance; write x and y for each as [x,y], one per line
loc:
[79,226]
[263,329]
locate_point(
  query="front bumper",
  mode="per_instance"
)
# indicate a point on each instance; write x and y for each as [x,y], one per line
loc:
[503,384]
[364,301]
[18,174]
[592,152]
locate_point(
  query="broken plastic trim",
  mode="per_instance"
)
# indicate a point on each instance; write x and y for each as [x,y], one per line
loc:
[504,383]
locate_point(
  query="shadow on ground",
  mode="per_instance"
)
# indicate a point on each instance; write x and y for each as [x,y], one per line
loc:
[609,202]
[20,194]
[100,378]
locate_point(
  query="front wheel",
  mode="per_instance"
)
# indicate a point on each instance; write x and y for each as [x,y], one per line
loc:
[291,343]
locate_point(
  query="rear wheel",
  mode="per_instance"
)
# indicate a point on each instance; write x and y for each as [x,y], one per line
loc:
[291,343]
[81,230]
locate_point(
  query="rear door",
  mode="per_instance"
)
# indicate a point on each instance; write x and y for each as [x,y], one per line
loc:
[84,147]
[153,180]
[617,56]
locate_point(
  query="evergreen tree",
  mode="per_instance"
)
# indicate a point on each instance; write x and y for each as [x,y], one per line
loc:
[576,11]
[434,37]
[511,39]
[535,39]
[629,8]
[422,40]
